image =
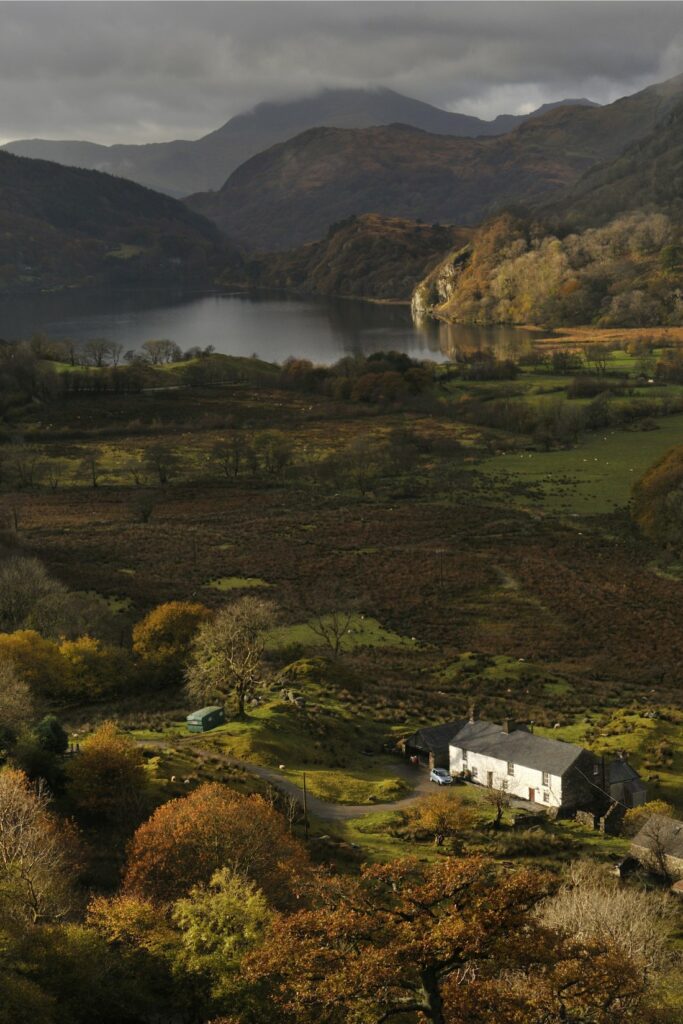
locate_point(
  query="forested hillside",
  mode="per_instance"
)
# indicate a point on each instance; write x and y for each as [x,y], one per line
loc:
[607,252]
[368,256]
[64,226]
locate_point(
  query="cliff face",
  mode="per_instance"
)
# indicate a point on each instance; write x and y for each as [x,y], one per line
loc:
[438,288]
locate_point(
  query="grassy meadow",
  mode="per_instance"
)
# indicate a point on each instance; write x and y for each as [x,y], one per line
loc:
[474,565]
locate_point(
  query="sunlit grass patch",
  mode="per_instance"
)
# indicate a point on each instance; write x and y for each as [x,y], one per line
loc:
[362,631]
[237,583]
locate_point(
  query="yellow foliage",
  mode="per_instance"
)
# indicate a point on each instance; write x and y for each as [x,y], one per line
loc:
[37,660]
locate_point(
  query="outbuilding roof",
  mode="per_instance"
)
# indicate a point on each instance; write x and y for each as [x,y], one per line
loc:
[519,747]
[620,770]
[196,716]
[663,833]
[435,736]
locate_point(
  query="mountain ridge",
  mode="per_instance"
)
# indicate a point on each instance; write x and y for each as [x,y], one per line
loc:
[181,166]
[289,194]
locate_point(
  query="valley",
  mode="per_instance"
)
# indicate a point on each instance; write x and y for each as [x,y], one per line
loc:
[341,548]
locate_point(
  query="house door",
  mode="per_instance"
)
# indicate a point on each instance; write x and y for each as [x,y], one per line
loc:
[532,795]
[489,780]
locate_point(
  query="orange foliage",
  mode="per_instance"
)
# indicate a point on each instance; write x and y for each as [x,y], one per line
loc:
[658,500]
[188,839]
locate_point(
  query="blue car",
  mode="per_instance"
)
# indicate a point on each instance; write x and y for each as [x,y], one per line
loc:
[441,776]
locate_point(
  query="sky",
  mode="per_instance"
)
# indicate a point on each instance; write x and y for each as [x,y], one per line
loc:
[143,72]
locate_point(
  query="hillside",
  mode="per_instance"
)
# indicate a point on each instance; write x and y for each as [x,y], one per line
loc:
[368,256]
[648,174]
[182,166]
[607,252]
[62,226]
[291,193]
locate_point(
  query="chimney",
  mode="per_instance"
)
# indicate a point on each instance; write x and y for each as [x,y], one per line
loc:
[509,725]
[473,716]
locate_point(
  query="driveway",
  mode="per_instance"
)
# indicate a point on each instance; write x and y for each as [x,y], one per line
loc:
[416,778]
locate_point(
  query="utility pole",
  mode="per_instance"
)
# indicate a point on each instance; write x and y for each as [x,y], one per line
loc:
[305,809]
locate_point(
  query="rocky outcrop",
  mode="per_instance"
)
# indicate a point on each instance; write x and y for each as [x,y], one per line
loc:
[438,287]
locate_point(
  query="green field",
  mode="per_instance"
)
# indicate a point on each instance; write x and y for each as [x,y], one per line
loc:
[594,477]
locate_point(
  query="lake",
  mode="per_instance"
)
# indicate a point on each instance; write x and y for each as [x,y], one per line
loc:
[273,327]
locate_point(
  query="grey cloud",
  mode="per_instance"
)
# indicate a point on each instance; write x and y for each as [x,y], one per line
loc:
[115,72]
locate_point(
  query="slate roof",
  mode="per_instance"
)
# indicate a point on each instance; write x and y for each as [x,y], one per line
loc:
[668,831]
[435,736]
[520,747]
[621,771]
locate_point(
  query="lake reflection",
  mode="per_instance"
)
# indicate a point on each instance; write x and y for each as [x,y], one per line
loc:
[273,327]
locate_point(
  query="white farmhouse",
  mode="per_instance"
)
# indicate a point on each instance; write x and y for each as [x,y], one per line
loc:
[511,758]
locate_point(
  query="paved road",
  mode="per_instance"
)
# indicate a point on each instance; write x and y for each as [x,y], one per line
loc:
[416,778]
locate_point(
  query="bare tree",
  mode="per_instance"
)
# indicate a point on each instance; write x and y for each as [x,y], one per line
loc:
[161,350]
[55,471]
[228,651]
[498,799]
[161,460]
[90,469]
[230,455]
[34,853]
[96,351]
[115,352]
[592,906]
[23,583]
[23,466]
[656,833]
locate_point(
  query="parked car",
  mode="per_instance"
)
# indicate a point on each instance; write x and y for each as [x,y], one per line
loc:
[441,776]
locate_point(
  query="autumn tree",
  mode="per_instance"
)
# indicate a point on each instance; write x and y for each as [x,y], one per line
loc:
[387,943]
[108,779]
[37,660]
[658,500]
[94,669]
[218,924]
[16,703]
[163,638]
[443,815]
[227,652]
[36,852]
[188,839]
[636,817]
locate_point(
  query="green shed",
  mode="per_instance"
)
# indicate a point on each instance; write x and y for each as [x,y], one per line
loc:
[205,719]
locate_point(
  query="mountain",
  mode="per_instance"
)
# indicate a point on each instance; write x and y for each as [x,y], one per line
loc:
[292,192]
[62,226]
[648,174]
[182,167]
[368,257]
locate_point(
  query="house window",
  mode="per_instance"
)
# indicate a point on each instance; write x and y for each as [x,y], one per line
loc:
[464,758]
[505,784]
[596,769]
[546,796]
[511,768]
[546,778]
[474,771]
